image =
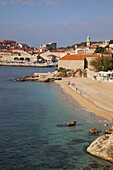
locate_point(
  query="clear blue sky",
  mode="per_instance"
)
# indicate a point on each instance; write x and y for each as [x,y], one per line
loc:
[66,22]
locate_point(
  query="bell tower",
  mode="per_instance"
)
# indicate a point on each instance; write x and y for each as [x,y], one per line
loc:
[88,41]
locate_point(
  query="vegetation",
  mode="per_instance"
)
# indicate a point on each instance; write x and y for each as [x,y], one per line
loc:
[62,70]
[101,49]
[111,42]
[103,63]
[78,45]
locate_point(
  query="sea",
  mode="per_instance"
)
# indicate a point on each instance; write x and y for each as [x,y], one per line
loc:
[33,126]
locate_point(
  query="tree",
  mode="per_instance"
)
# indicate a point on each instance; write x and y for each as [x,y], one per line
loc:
[100,50]
[111,42]
[103,63]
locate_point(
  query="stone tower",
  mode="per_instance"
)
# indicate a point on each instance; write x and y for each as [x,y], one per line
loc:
[88,41]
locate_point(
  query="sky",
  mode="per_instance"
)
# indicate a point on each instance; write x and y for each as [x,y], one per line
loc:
[66,22]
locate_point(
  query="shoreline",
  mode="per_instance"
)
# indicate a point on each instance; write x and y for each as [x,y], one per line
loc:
[85,101]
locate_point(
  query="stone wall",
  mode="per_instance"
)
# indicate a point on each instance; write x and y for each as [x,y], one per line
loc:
[71,64]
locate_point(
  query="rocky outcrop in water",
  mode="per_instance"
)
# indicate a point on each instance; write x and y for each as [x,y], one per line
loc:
[93,131]
[72,123]
[102,147]
[109,130]
[40,77]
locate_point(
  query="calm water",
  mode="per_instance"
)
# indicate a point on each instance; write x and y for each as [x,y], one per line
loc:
[33,131]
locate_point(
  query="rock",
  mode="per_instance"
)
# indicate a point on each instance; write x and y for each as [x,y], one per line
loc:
[73,123]
[59,74]
[102,147]
[49,80]
[109,130]
[40,77]
[93,131]
[27,78]
[58,78]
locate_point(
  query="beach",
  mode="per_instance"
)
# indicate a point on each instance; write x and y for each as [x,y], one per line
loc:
[92,95]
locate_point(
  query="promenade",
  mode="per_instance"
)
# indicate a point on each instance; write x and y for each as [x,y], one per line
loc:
[26,64]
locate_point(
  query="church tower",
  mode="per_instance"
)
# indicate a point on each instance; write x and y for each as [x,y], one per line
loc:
[88,41]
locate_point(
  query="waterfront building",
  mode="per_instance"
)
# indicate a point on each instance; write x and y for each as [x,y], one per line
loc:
[77,61]
[17,56]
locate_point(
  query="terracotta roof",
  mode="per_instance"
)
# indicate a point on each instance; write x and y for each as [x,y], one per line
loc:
[73,57]
[57,51]
[91,55]
[92,47]
[106,52]
[78,56]
[6,51]
[15,52]
[7,41]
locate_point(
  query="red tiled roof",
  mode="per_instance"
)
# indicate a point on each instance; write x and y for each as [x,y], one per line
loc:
[78,56]
[73,57]
[92,55]
[6,51]
[92,47]
[15,52]
[106,52]
[57,51]
[6,41]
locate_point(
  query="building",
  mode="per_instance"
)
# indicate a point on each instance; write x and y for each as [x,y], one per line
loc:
[80,50]
[72,62]
[24,46]
[7,42]
[17,56]
[46,47]
[51,46]
[77,61]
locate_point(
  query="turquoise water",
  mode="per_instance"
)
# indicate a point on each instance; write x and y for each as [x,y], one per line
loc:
[33,131]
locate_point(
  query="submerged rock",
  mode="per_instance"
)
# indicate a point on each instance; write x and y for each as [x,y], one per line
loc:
[93,131]
[102,147]
[73,123]
[109,130]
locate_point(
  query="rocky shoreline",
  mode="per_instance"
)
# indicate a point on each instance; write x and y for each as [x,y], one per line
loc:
[40,77]
[50,76]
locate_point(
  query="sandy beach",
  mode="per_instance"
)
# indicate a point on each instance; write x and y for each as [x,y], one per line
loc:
[93,95]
